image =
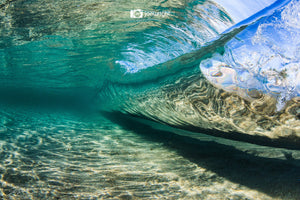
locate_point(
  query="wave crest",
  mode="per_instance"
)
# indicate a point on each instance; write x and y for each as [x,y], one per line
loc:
[265,56]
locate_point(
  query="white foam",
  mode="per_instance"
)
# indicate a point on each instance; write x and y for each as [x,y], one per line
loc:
[265,57]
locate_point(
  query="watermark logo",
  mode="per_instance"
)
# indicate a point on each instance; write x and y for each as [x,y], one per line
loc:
[138,13]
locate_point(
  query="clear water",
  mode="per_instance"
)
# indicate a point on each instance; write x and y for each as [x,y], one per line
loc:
[88,89]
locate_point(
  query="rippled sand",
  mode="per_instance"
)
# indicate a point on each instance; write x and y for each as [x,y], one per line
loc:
[59,155]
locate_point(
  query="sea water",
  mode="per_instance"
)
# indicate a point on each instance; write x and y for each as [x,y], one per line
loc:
[89,90]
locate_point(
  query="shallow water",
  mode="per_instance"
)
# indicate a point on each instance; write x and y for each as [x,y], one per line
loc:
[88,89]
[63,155]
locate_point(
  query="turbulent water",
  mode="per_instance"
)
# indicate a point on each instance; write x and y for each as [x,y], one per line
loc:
[166,99]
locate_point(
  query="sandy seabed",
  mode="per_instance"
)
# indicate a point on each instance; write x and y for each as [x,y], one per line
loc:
[59,155]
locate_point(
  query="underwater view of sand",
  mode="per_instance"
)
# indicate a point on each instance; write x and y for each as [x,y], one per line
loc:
[66,155]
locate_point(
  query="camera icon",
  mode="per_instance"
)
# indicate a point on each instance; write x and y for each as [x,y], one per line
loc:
[138,13]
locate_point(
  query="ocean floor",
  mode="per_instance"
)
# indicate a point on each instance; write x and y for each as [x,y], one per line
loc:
[63,155]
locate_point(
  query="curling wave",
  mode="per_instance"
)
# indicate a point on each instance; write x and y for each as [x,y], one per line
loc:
[247,89]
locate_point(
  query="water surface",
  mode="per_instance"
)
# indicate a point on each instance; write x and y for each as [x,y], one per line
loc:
[98,98]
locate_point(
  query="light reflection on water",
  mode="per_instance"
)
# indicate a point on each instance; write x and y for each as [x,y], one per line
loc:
[48,48]
[54,155]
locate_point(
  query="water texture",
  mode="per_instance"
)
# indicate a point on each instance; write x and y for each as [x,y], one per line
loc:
[246,87]
[60,155]
[174,99]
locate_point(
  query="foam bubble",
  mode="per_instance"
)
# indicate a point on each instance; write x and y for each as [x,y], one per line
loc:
[265,56]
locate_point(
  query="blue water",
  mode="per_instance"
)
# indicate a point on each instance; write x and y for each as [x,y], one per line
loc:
[149,100]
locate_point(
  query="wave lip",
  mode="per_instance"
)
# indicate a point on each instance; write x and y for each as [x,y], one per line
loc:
[264,57]
[231,94]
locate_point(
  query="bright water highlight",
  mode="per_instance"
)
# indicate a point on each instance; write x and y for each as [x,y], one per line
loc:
[133,100]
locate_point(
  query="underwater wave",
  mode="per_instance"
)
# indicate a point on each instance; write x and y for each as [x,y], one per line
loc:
[247,87]
[143,59]
[87,86]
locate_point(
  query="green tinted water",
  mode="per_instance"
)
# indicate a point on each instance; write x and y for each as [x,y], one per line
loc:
[61,61]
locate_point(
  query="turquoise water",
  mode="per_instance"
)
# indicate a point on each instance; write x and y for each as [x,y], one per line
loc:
[149,100]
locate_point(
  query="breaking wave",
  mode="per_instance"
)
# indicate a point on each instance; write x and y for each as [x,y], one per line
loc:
[143,59]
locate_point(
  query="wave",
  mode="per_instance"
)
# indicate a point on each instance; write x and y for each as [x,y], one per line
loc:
[264,57]
[143,59]
[247,88]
